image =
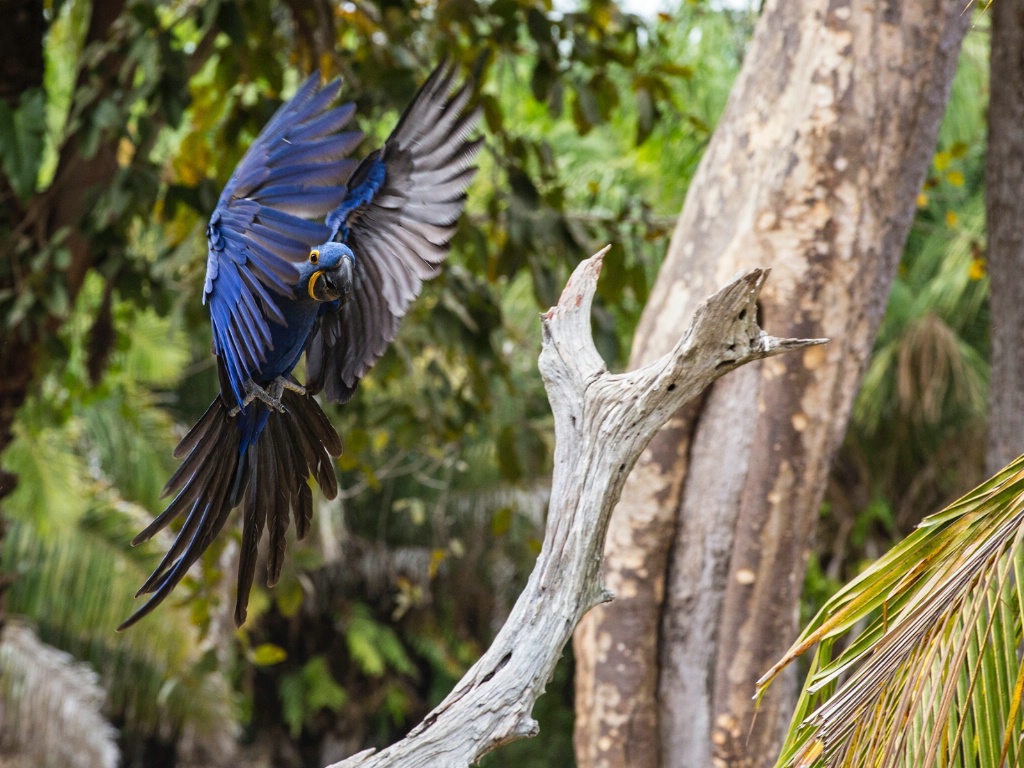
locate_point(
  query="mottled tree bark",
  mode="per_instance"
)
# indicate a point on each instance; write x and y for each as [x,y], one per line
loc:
[814,171]
[1004,209]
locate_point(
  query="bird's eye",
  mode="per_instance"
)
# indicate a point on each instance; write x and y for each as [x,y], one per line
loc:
[314,257]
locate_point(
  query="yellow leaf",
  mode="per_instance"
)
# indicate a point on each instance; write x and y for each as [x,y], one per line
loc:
[436,558]
[810,753]
[327,70]
[977,270]
[951,218]
[193,160]
[125,152]
[942,161]
[956,178]
[922,200]
[289,597]
[501,522]
[267,654]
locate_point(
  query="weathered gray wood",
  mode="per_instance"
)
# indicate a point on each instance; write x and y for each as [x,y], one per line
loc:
[602,423]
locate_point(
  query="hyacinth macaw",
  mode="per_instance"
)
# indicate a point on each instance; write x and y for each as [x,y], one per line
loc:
[280,282]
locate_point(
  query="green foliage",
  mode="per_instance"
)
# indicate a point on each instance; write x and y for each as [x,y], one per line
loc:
[77,586]
[375,647]
[52,487]
[86,458]
[21,141]
[267,654]
[307,691]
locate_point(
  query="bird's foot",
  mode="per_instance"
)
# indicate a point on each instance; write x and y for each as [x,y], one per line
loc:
[271,396]
[281,384]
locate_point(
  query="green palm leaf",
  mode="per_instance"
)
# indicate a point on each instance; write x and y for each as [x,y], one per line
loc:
[935,679]
[52,705]
[91,463]
[76,586]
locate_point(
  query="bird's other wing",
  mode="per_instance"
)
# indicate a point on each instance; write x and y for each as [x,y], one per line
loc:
[398,218]
[293,174]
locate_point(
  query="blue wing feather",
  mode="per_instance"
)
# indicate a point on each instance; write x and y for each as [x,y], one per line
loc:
[297,110]
[314,150]
[363,189]
[281,196]
[327,123]
[297,105]
[314,174]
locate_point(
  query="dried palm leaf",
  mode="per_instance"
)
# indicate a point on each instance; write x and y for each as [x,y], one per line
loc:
[936,678]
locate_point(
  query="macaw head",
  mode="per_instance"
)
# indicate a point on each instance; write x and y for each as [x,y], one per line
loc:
[327,274]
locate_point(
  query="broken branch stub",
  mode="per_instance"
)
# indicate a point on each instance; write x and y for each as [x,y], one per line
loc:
[603,421]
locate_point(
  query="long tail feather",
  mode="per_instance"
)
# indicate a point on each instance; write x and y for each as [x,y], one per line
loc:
[282,493]
[269,478]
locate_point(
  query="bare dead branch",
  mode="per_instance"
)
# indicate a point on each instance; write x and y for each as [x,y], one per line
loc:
[602,423]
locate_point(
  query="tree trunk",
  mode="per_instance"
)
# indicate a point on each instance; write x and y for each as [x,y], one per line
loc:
[814,171]
[1004,209]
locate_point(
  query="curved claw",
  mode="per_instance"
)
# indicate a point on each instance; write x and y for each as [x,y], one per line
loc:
[271,396]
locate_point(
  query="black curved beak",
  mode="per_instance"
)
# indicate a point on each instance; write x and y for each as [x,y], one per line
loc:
[333,284]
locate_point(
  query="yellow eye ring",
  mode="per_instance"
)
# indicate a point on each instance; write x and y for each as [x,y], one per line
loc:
[312,281]
[314,257]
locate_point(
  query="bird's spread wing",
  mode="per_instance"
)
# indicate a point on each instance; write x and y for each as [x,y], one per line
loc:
[398,218]
[293,172]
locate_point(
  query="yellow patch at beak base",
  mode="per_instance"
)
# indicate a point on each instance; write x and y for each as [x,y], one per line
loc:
[312,283]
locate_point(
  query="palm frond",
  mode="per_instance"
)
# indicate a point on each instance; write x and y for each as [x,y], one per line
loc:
[77,586]
[935,679]
[52,481]
[91,460]
[156,351]
[52,705]
[128,441]
[926,365]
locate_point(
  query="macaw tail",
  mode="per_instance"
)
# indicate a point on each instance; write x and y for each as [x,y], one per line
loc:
[269,477]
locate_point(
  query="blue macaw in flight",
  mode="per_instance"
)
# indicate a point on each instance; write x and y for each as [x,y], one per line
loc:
[280,283]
